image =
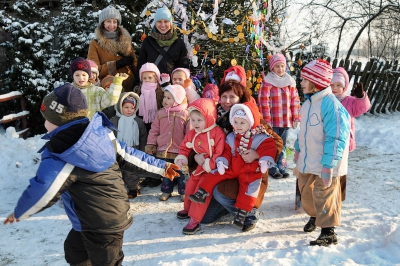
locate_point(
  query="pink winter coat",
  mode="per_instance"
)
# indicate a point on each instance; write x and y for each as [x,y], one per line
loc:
[355,106]
[167,132]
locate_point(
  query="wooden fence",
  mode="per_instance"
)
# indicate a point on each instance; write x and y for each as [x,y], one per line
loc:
[381,82]
[21,115]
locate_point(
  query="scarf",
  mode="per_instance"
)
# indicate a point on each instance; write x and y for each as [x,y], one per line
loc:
[128,130]
[111,35]
[245,138]
[278,81]
[176,108]
[148,102]
[166,39]
[220,111]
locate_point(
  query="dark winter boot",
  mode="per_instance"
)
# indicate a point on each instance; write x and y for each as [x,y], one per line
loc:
[200,196]
[310,225]
[239,218]
[326,238]
[133,193]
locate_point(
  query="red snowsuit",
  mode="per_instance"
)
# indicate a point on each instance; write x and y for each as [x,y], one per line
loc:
[209,141]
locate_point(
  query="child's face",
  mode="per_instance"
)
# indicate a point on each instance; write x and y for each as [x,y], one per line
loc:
[81,78]
[94,76]
[149,77]
[337,88]
[279,69]
[111,25]
[228,99]
[163,26]
[49,126]
[168,100]
[128,109]
[307,86]
[178,78]
[197,121]
[240,125]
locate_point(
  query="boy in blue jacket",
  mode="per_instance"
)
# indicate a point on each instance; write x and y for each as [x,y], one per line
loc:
[82,163]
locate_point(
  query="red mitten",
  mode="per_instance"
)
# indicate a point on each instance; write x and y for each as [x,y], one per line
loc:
[10,219]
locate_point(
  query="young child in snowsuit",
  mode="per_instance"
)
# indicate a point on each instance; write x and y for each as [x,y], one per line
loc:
[132,131]
[181,76]
[321,151]
[81,163]
[97,98]
[207,140]
[279,105]
[211,91]
[151,93]
[94,78]
[356,105]
[167,132]
[247,134]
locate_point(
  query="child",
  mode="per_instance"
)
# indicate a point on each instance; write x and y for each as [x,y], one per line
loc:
[356,105]
[166,133]
[181,76]
[207,140]
[132,131]
[321,151]
[279,105]
[106,82]
[211,91]
[87,176]
[248,134]
[94,78]
[151,94]
[96,97]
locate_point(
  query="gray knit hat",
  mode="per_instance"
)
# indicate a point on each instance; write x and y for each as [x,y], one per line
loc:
[110,13]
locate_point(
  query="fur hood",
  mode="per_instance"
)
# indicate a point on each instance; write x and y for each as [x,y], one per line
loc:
[122,47]
[118,106]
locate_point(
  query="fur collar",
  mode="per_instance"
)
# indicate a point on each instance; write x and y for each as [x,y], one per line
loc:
[122,47]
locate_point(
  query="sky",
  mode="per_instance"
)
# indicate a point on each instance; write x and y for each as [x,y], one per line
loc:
[369,233]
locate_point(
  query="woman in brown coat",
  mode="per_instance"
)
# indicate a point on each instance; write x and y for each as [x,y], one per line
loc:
[112,48]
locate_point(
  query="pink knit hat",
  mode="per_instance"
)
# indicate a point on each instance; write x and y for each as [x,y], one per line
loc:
[319,72]
[177,91]
[149,67]
[211,91]
[185,70]
[275,59]
[93,66]
[340,75]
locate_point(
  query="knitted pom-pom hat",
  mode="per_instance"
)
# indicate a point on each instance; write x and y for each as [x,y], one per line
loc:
[275,59]
[319,72]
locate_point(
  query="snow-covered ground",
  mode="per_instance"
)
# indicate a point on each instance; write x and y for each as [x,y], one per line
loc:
[369,234]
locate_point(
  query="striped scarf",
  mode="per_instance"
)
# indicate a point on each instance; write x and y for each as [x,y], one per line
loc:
[245,138]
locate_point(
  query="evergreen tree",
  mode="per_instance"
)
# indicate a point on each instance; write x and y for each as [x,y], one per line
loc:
[28,50]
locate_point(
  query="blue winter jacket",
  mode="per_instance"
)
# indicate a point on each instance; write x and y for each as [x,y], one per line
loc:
[323,137]
[87,173]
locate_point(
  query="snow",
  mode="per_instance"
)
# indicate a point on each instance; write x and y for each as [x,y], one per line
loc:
[10,94]
[369,233]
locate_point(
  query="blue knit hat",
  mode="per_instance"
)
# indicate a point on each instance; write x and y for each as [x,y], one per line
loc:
[163,13]
[110,12]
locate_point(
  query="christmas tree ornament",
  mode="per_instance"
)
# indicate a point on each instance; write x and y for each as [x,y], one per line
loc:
[300,62]
[197,47]
[233,62]
[241,35]
[143,37]
[213,61]
[239,28]
[195,63]
[220,62]
[291,68]
[249,84]
[277,20]
[236,12]
[194,51]
[147,13]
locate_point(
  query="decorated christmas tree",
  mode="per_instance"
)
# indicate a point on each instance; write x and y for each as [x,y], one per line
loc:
[222,33]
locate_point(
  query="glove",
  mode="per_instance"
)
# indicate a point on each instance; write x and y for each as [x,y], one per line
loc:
[10,219]
[221,167]
[295,124]
[326,176]
[170,171]
[296,156]
[187,83]
[124,61]
[358,90]
[264,166]
[179,163]
[165,78]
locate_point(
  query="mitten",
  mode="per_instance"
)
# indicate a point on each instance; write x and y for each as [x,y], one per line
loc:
[358,90]
[124,61]
[150,149]
[295,124]
[187,83]
[164,78]
[326,176]
[10,219]
[119,78]
[179,163]
[170,171]
[296,156]
[264,166]
[221,167]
